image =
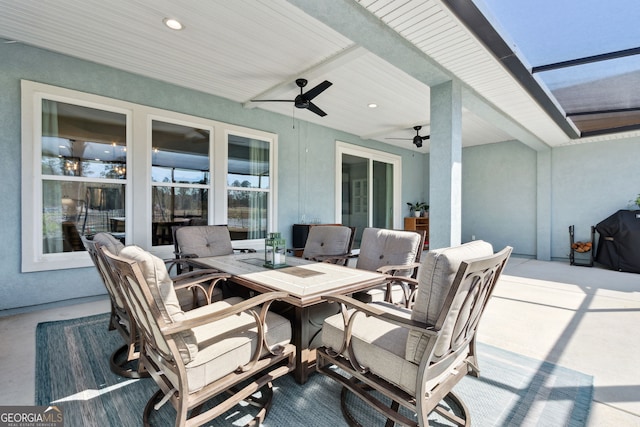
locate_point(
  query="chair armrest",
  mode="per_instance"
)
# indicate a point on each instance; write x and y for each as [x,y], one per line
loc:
[336,259]
[197,276]
[393,269]
[203,315]
[204,281]
[373,310]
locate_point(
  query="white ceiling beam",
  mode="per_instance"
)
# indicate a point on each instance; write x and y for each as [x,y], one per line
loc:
[389,130]
[356,23]
[491,114]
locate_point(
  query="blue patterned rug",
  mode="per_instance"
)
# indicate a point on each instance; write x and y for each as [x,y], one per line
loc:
[72,372]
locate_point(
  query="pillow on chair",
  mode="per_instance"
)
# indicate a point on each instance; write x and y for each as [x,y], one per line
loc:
[436,277]
[161,288]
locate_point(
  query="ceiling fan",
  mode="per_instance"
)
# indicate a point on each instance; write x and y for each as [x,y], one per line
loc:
[417,140]
[304,99]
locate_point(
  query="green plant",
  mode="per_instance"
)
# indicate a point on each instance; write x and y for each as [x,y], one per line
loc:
[418,206]
[637,201]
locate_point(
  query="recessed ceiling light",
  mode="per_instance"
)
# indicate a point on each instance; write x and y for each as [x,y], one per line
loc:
[174,24]
[373,105]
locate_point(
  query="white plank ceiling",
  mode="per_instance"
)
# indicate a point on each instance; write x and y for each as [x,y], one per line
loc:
[248,49]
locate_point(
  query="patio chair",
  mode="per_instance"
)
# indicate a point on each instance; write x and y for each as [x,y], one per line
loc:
[121,358]
[403,362]
[329,243]
[395,253]
[124,359]
[229,350]
[204,241]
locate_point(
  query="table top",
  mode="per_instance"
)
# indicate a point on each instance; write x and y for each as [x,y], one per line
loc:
[305,281]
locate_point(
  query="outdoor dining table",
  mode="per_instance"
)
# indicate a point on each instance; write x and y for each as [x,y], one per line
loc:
[306,283]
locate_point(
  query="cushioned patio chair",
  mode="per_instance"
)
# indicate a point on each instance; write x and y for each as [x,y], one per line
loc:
[123,361]
[403,362]
[329,243]
[395,253]
[204,241]
[229,349]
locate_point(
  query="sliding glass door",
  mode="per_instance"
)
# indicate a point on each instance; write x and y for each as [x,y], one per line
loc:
[368,193]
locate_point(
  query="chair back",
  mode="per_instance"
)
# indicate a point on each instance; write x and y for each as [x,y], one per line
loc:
[114,246]
[203,241]
[150,295]
[328,240]
[380,247]
[455,285]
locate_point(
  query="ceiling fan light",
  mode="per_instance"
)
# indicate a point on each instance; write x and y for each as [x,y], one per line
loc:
[174,24]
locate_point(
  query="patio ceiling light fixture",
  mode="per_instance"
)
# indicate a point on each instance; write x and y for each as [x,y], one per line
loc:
[174,24]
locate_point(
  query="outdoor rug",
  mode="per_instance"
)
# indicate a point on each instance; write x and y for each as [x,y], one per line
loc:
[72,373]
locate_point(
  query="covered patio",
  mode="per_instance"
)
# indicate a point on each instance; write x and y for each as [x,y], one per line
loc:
[578,323]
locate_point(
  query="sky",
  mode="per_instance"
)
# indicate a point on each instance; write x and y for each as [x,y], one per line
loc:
[548,31]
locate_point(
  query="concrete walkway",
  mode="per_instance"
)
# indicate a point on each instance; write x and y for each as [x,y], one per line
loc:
[586,319]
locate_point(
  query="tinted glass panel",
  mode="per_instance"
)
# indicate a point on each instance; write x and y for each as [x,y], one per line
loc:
[71,209]
[550,31]
[585,53]
[248,163]
[174,206]
[81,141]
[180,154]
[247,214]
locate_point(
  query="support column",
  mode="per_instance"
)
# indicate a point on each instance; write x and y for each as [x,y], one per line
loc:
[543,201]
[445,166]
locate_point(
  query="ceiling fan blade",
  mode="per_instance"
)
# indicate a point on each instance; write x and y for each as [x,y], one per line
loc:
[272,100]
[313,107]
[425,137]
[312,93]
[403,139]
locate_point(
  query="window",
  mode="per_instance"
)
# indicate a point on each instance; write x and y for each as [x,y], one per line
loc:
[82,174]
[368,188]
[180,178]
[248,186]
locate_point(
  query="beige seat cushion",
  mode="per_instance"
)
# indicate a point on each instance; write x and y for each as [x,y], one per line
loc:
[161,288]
[221,352]
[204,240]
[377,344]
[435,278]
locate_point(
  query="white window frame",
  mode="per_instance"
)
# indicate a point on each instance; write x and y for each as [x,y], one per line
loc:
[372,155]
[138,181]
[182,120]
[272,198]
[33,258]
